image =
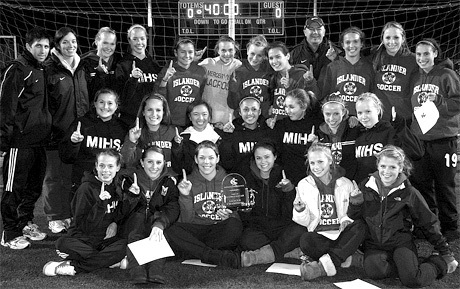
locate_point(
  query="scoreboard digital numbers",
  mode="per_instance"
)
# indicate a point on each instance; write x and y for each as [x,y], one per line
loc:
[210,17]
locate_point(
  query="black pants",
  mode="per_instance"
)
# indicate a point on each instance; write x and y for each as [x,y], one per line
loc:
[315,245]
[23,174]
[283,236]
[87,254]
[434,177]
[196,240]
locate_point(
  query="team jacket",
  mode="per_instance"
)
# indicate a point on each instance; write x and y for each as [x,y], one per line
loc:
[445,83]
[199,207]
[24,117]
[350,80]
[96,77]
[303,54]
[67,95]
[236,148]
[157,200]
[132,90]
[308,192]
[247,81]
[183,154]
[371,141]
[292,137]
[163,138]
[98,135]
[390,83]
[389,219]
[296,80]
[183,88]
[216,90]
[271,203]
[91,215]
[342,145]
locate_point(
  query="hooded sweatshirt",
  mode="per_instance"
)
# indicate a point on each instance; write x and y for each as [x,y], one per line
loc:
[445,83]
[250,82]
[350,80]
[200,206]
[216,90]
[184,87]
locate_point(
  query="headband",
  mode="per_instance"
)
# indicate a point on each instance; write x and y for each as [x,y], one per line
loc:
[332,101]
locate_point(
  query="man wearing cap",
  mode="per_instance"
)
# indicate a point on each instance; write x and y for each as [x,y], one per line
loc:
[314,49]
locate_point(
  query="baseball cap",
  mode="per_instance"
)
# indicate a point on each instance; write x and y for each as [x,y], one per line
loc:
[314,22]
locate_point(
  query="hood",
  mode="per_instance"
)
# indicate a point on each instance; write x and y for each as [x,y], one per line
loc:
[64,63]
[441,64]
[198,136]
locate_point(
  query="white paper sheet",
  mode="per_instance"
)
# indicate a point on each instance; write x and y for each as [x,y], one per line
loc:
[197,262]
[331,235]
[356,284]
[427,115]
[283,268]
[146,250]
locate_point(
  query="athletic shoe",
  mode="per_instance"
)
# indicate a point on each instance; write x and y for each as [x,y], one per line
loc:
[58,268]
[67,223]
[56,226]
[123,264]
[17,243]
[32,232]
[311,270]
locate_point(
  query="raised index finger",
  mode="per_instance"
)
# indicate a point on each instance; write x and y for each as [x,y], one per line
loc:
[284,174]
[134,64]
[177,132]
[137,123]
[102,187]
[170,64]
[184,174]
[311,67]
[135,179]
[79,127]
[313,129]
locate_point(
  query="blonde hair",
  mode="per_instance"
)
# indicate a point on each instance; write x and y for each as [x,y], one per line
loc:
[369,96]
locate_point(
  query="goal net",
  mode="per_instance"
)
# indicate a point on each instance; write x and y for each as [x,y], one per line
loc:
[439,19]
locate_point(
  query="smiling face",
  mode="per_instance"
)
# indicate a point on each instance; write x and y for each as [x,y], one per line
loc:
[185,54]
[333,115]
[256,55]
[425,55]
[138,41]
[293,108]
[106,168]
[199,117]
[39,49]
[153,164]
[265,159]
[226,51]
[153,113]
[393,39]
[367,113]
[278,60]
[352,45]
[68,46]
[320,165]
[389,170]
[250,112]
[106,45]
[106,105]
[314,34]
[207,160]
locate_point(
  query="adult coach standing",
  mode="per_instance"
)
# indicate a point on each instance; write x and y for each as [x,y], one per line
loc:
[314,49]
[25,125]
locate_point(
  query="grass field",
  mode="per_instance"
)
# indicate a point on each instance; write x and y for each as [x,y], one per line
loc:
[23,269]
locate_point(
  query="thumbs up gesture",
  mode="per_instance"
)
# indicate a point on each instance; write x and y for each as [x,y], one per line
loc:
[312,136]
[356,196]
[136,72]
[229,127]
[135,132]
[185,185]
[331,53]
[134,187]
[285,80]
[285,184]
[104,195]
[76,136]
[308,76]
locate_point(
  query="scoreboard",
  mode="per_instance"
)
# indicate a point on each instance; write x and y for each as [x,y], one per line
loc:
[210,17]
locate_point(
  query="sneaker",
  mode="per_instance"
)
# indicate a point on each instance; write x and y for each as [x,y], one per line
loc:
[123,264]
[56,226]
[67,223]
[312,270]
[58,268]
[17,243]
[32,232]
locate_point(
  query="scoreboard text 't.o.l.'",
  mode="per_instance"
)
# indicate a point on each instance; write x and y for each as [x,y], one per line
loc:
[211,17]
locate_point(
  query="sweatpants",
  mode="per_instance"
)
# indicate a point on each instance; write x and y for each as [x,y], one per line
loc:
[403,262]
[283,236]
[23,174]
[196,239]
[316,245]
[87,254]
[57,188]
[434,177]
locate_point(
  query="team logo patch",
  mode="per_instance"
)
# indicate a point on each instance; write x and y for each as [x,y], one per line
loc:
[255,90]
[388,77]
[209,207]
[326,211]
[422,97]
[164,190]
[349,88]
[186,90]
[280,101]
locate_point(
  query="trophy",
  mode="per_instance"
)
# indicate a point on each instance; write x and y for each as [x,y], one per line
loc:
[235,194]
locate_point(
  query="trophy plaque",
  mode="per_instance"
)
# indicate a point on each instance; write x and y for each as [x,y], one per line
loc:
[235,194]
